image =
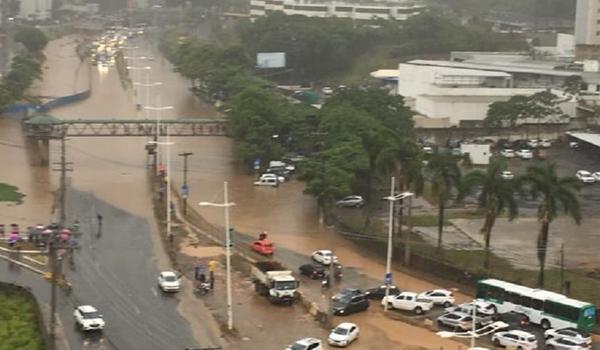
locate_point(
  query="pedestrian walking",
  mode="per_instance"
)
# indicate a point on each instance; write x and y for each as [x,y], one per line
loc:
[2,230]
[212,266]
[99,216]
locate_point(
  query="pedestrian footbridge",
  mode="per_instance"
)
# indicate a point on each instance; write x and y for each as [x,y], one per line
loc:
[48,127]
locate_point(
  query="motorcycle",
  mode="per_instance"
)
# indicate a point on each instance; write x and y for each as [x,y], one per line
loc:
[338,271]
[202,288]
[325,282]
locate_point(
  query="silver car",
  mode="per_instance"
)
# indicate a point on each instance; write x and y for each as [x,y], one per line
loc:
[351,201]
[567,344]
[456,320]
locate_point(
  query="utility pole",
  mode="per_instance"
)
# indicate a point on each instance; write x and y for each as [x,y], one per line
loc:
[185,188]
[388,264]
[408,233]
[562,268]
[63,168]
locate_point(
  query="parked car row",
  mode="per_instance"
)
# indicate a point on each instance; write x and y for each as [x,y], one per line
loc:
[278,172]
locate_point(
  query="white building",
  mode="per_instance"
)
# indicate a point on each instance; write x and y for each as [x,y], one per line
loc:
[399,10]
[35,10]
[445,96]
[587,29]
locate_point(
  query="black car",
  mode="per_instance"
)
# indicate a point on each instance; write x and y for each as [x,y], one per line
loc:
[379,292]
[346,292]
[350,304]
[313,271]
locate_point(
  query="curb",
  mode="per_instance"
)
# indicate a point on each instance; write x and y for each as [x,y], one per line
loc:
[38,271]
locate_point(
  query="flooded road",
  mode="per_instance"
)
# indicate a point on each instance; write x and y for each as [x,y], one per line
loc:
[115,169]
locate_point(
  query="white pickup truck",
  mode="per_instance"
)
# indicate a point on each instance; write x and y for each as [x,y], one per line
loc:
[408,301]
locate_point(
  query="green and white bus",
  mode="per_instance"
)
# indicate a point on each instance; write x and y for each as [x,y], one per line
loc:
[548,309]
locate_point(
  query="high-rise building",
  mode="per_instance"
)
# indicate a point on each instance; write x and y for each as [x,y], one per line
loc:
[587,29]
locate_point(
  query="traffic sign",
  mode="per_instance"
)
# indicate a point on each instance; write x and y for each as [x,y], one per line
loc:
[185,191]
[388,278]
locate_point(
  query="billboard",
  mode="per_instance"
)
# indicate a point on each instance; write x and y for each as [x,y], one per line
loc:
[270,59]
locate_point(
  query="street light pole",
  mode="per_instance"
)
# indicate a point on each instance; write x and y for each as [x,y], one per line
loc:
[169,233]
[158,109]
[226,204]
[388,264]
[185,156]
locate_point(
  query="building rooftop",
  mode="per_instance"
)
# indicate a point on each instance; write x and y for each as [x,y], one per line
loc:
[512,67]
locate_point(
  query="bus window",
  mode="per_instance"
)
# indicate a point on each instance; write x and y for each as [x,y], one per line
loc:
[526,301]
[537,304]
[513,298]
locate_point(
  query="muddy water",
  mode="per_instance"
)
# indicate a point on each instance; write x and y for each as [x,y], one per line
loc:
[116,169]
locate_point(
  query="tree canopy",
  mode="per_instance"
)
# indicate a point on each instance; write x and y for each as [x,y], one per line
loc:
[32,38]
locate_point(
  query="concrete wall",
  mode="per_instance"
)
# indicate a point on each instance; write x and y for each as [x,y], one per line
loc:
[36,9]
[586,27]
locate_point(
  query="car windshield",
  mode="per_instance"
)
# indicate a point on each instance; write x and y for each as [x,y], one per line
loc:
[298,347]
[286,285]
[170,278]
[342,331]
[531,339]
[90,315]
[327,254]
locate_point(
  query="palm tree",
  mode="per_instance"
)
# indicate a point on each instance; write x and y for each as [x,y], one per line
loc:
[444,177]
[556,193]
[497,195]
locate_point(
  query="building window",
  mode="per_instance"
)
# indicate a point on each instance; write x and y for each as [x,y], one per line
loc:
[343,9]
[310,8]
[372,10]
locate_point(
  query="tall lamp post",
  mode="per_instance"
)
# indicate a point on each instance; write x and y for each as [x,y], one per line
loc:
[134,69]
[392,198]
[184,188]
[148,85]
[226,204]
[158,109]
[168,143]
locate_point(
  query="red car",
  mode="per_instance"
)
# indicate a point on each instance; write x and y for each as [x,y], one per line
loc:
[263,246]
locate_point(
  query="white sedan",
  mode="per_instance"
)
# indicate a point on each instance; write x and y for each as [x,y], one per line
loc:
[439,296]
[344,334]
[596,175]
[515,339]
[351,201]
[88,318]
[567,344]
[585,176]
[524,154]
[306,344]
[507,153]
[168,281]
[507,175]
[324,257]
[571,333]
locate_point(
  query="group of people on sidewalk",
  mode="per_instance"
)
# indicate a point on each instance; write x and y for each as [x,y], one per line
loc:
[41,234]
[200,273]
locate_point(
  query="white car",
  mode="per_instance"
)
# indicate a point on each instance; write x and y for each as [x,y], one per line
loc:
[596,175]
[408,301]
[428,150]
[272,176]
[168,281]
[545,143]
[524,154]
[533,143]
[570,333]
[507,153]
[585,176]
[439,296]
[306,344]
[324,257]
[516,339]
[344,334]
[327,90]
[507,175]
[481,306]
[567,344]
[351,201]
[88,318]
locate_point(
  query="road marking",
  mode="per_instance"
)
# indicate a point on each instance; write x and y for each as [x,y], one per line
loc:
[154,291]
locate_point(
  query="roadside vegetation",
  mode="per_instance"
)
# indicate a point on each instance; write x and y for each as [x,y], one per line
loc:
[25,67]
[19,327]
[9,193]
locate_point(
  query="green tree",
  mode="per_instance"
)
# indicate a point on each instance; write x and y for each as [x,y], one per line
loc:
[32,38]
[573,85]
[543,107]
[555,193]
[497,196]
[445,177]
[506,114]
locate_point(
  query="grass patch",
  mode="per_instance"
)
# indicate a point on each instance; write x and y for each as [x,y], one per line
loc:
[18,323]
[9,193]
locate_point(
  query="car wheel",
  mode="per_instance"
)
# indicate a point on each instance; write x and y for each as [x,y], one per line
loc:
[519,348]
[447,304]
[418,310]
[390,306]
[497,343]
[545,324]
